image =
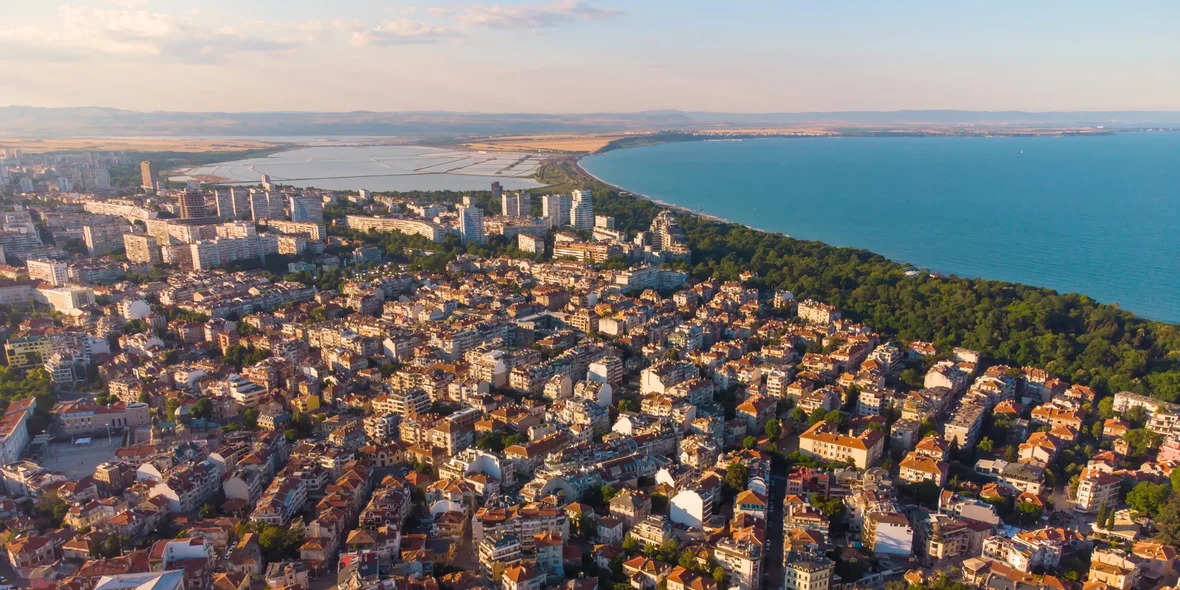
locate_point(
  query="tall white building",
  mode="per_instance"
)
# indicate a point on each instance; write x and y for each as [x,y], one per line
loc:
[470,224]
[307,209]
[102,178]
[582,212]
[556,209]
[53,272]
[516,205]
[26,185]
[224,199]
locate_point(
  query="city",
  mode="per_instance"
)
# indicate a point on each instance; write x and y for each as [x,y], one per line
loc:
[233,387]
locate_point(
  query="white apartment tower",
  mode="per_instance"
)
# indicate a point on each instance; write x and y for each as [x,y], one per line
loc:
[582,214]
[470,224]
[556,209]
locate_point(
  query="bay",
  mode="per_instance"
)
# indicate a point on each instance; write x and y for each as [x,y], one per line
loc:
[1098,215]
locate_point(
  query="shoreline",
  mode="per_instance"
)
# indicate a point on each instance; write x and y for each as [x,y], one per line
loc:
[904,263]
[672,206]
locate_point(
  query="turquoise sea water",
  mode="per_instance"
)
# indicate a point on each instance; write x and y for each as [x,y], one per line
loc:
[1095,215]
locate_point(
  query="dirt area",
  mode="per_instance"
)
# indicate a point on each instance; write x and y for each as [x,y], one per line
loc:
[133,144]
[547,143]
[78,461]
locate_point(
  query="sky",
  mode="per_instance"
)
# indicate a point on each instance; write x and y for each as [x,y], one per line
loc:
[580,56]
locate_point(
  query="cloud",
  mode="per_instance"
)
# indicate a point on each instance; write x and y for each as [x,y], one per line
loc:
[82,30]
[400,30]
[531,16]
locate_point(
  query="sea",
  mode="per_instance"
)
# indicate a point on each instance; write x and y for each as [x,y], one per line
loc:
[1096,214]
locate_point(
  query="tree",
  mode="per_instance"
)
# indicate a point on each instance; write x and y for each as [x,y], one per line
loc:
[1011,454]
[1137,415]
[587,528]
[1030,510]
[774,429]
[1168,522]
[986,445]
[926,427]
[836,416]
[203,409]
[1106,408]
[736,476]
[659,503]
[630,545]
[1101,519]
[719,577]
[112,546]
[1147,497]
[798,415]
[608,492]
[817,416]
[52,507]
[250,419]
[750,442]
[145,398]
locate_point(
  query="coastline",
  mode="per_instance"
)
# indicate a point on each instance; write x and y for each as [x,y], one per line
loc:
[678,208]
[936,272]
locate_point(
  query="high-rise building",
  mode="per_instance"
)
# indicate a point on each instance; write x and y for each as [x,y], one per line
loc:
[307,209]
[192,205]
[102,178]
[224,201]
[516,205]
[53,272]
[265,205]
[149,175]
[582,212]
[470,224]
[556,209]
[26,184]
[141,249]
[4,176]
[497,189]
[240,197]
[64,184]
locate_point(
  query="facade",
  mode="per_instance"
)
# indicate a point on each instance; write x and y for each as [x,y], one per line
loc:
[824,441]
[470,224]
[54,272]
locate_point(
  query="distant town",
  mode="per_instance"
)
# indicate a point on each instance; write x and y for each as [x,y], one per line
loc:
[215,387]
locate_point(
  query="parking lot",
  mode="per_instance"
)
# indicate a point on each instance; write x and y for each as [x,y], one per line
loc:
[78,461]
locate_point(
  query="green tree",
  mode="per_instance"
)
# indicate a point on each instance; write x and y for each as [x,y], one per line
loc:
[630,545]
[774,429]
[250,419]
[719,578]
[986,445]
[203,409]
[1167,523]
[1101,518]
[1147,497]
[817,416]
[112,546]
[608,492]
[798,415]
[1106,408]
[926,427]
[736,476]
[1011,453]
[1029,512]
[750,442]
[838,417]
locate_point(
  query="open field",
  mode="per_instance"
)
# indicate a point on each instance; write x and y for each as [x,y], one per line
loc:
[120,144]
[582,142]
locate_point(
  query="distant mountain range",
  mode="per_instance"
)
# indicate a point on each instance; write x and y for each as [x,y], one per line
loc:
[19,121]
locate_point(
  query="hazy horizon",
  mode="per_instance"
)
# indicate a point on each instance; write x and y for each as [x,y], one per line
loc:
[590,56]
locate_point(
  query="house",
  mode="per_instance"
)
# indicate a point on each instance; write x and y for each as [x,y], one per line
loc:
[916,468]
[631,507]
[645,573]
[824,440]
[522,577]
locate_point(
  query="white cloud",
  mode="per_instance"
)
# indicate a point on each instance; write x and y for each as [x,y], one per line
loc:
[531,16]
[400,30]
[184,37]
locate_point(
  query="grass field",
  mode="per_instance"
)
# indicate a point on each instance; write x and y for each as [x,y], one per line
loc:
[570,143]
[124,144]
